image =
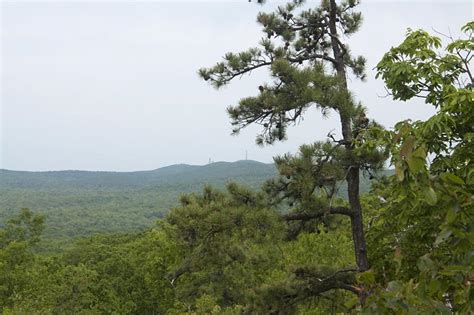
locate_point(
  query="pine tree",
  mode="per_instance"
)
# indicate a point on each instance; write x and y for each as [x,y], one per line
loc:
[309,63]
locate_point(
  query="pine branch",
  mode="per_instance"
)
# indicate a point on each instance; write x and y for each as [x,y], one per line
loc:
[311,216]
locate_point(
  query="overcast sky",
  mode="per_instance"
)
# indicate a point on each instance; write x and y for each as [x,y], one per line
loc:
[105,85]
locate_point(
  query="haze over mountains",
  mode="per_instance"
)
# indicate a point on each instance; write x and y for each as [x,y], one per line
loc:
[178,174]
[80,203]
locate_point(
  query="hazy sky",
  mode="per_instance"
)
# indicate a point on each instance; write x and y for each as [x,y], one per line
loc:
[105,85]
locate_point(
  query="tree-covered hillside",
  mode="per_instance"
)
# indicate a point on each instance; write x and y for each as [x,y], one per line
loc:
[309,234]
[179,174]
[78,203]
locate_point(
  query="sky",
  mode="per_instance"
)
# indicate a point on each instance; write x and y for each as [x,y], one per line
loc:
[109,85]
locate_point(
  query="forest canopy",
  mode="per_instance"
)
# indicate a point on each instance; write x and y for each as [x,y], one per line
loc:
[294,244]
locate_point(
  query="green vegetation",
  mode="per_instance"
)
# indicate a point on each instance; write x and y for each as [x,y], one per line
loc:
[427,223]
[291,244]
[79,203]
[309,65]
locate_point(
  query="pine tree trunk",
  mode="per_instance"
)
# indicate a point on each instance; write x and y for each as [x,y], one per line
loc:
[353,169]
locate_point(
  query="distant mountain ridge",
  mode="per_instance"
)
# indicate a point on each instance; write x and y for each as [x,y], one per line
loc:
[136,179]
[175,167]
[81,203]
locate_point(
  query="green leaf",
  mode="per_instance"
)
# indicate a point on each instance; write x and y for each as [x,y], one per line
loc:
[430,195]
[442,236]
[407,147]
[400,173]
[415,164]
[420,152]
[435,286]
[425,264]
[453,178]
[451,215]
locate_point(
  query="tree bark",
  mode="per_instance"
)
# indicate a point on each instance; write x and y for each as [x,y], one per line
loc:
[353,169]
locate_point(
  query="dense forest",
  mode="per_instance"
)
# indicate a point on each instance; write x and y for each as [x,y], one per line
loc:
[281,238]
[82,203]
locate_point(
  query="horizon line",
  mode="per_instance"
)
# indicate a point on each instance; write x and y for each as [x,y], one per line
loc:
[128,171]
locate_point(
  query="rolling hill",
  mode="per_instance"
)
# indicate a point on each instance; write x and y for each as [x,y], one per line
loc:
[81,203]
